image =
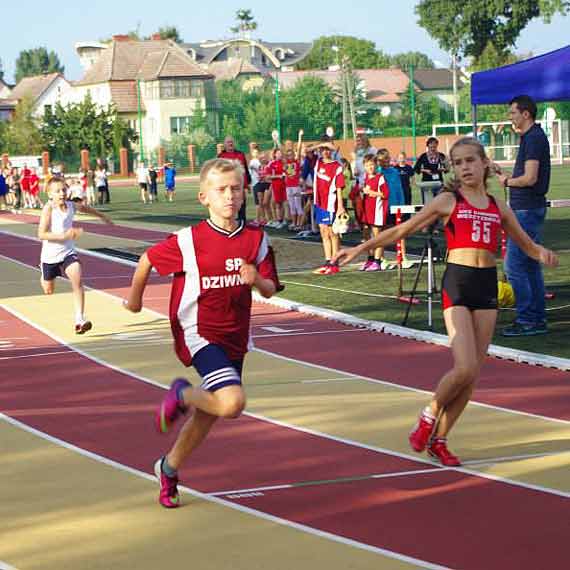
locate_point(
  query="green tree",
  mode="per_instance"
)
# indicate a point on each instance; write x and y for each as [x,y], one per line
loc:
[417,59]
[169,33]
[312,105]
[22,135]
[328,50]
[245,22]
[37,61]
[67,130]
[465,27]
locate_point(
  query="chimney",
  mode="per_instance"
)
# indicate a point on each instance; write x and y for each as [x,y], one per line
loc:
[121,38]
[155,36]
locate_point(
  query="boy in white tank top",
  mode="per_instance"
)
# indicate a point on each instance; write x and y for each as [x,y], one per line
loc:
[58,256]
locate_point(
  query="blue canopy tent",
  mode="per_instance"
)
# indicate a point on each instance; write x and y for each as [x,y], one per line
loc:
[544,78]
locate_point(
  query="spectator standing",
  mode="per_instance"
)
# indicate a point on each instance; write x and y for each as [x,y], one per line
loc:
[406,177]
[142,179]
[231,153]
[153,183]
[90,189]
[3,189]
[34,180]
[528,185]
[102,165]
[431,165]
[362,148]
[100,183]
[170,181]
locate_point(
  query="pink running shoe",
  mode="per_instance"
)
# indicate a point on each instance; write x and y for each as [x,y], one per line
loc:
[169,497]
[438,450]
[421,433]
[171,407]
[365,265]
[373,266]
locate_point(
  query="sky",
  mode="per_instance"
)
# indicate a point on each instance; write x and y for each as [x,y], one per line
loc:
[393,30]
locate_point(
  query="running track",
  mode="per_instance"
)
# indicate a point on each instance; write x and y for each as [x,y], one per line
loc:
[503,526]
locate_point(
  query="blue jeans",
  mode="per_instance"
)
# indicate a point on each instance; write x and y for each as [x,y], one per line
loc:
[524,273]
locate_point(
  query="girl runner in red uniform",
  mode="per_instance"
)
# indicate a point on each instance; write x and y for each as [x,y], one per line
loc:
[472,220]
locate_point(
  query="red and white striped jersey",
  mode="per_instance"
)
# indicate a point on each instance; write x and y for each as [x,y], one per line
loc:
[375,207]
[328,178]
[209,303]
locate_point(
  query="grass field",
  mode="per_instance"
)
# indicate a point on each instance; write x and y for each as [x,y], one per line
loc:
[369,295]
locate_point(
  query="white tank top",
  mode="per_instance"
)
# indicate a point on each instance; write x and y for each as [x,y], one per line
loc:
[57,251]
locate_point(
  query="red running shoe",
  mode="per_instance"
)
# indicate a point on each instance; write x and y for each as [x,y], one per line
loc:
[168,497]
[438,450]
[421,433]
[171,407]
[322,270]
[331,270]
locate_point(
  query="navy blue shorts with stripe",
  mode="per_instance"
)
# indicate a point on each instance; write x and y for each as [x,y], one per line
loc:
[52,270]
[216,369]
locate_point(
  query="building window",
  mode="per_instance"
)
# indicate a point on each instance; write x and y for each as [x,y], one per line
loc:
[179,125]
[180,89]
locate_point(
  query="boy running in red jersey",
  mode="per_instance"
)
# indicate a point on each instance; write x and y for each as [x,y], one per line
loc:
[215,265]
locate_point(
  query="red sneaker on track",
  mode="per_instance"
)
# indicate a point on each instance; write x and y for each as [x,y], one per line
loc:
[438,450]
[421,433]
[168,497]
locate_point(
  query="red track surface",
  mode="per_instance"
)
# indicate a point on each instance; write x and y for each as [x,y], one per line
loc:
[445,517]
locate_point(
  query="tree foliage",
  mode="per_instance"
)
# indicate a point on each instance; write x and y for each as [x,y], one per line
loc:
[245,22]
[36,62]
[22,135]
[466,27]
[67,130]
[362,54]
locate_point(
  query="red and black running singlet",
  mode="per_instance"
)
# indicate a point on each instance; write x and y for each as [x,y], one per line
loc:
[473,227]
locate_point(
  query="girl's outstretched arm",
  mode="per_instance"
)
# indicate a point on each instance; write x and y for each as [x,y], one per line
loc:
[439,207]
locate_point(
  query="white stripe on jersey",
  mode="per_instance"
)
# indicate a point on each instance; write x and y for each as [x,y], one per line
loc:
[188,309]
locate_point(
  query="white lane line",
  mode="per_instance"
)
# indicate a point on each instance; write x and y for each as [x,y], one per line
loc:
[508,458]
[6,566]
[350,330]
[291,426]
[222,502]
[336,481]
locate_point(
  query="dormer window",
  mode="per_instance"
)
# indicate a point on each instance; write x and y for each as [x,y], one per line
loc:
[279,53]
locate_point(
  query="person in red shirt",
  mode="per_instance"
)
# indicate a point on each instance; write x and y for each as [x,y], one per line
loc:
[25,185]
[375,215]
[293,188]
[276,173]
[472,219]
[328,182]
[34,190]
[230,152]
[215,266]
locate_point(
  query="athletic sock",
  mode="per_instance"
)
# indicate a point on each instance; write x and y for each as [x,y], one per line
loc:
[371,258]
[79,318]
[167,469]
[426,413]
[377,260]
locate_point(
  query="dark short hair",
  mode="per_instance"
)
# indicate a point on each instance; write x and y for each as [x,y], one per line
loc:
[431,140]
[369,158]
[525,103]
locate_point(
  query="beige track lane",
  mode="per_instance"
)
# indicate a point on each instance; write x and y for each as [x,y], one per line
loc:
[63,511]
[369,413]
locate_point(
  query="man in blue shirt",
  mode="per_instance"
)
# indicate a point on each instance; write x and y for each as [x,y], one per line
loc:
[170,181]
[528,185]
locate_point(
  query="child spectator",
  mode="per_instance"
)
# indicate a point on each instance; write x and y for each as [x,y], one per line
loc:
[376,197]
[293,188]
[142,179]
[58,255]
[406,177]
[101,183]
[276,173]
[257,171]
[153,183]
[76,190]
[90,188]
[170,181]
[215,266]
[327,190]
[392,177]
[34,180]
